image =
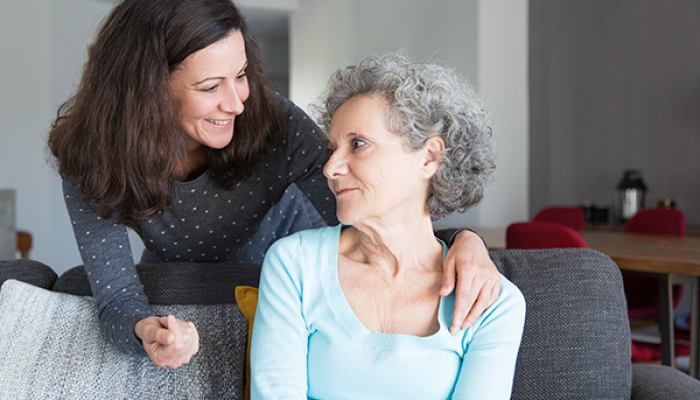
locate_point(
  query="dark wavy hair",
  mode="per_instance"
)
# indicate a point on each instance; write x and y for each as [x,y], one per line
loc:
[120,139]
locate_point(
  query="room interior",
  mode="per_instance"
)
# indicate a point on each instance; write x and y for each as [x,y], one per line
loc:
[579,91]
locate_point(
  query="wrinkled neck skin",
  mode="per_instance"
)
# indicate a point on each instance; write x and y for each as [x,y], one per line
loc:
[393,245]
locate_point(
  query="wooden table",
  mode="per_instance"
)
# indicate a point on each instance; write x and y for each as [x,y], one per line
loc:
[666,257]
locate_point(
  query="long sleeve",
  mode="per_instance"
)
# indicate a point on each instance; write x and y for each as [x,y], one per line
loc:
[106,252]
[280,334]
[491,348]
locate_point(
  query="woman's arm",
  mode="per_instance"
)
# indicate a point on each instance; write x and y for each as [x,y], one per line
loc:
[279,345]
[491,348]
[106,252]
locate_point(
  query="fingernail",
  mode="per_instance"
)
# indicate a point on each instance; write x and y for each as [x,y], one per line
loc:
[467,325]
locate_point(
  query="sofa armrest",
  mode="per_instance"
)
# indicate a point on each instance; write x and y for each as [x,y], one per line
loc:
[660,382]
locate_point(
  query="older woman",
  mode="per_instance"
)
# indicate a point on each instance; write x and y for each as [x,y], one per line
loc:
[354,311]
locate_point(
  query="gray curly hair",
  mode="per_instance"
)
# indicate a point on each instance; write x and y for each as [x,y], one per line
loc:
[426,100]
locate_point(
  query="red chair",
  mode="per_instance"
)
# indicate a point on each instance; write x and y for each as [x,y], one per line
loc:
[659,221]
[541,235]
[565,215]
[642,291]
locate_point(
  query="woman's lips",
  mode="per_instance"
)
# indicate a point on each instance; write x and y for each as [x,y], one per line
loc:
[339,192]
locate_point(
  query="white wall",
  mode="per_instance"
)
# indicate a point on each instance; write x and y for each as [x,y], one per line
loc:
[485,39]
[44,44]
[503,80]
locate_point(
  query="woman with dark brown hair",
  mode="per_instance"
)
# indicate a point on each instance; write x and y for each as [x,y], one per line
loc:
[174,132]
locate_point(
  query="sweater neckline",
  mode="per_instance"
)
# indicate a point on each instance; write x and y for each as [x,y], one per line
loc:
[356,329]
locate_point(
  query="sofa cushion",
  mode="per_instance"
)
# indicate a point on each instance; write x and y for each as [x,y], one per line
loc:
[51,347]
[576,341]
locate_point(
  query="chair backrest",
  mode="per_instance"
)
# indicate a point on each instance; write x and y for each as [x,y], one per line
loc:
[576,341]
[642,291]
[541,235]
[660,221]
[24,243]
[564,215]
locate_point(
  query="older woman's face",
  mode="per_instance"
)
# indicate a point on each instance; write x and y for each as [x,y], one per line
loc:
[370,171]
[210,87]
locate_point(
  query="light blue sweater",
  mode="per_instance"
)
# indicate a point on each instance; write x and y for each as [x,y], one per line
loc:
[308,343]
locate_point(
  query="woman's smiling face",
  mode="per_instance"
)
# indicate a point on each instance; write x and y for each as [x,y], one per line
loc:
[210,87]
[370,171]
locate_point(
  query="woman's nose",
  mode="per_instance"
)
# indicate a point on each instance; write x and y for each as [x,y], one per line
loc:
[336,166]
[233,103]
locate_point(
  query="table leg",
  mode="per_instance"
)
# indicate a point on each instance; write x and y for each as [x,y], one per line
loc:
[695,330]
[666,320]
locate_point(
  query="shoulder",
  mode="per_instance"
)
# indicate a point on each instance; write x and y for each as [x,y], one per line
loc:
[300,257]
[305,241]
[298,123]
[510,300]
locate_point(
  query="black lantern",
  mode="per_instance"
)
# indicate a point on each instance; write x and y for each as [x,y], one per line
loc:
[629,195]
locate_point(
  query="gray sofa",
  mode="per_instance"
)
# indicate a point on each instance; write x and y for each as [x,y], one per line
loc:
[576,342]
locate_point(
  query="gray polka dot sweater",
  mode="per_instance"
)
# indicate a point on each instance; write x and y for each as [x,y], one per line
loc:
[206,224]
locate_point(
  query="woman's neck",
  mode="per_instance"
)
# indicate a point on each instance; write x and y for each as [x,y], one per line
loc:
[394,247]
[196,165]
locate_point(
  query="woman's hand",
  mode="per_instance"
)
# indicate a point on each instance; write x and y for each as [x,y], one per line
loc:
[478,280]
[170,342]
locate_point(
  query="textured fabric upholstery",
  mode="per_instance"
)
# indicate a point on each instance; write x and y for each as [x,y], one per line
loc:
[29,271]
[51,348]
[658,382]
[576,342]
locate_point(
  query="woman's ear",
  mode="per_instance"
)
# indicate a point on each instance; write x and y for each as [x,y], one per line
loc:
[432,156]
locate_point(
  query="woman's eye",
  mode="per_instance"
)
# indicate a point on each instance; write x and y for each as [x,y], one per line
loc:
[210,89]
[357,143]
[241,77]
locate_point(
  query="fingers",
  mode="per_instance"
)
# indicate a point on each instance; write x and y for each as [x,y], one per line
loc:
[449,276]
[488,294]
[177,342]
[465,297]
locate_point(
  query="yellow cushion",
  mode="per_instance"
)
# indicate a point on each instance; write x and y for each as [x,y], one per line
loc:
[247,299]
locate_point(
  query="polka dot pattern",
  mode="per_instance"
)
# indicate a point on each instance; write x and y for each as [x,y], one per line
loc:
[206,224]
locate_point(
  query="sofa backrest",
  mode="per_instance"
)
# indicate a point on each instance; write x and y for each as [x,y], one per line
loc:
[576,341]
[176,282]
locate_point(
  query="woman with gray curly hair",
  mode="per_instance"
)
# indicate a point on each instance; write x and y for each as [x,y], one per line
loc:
[426,100]
[409,142]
